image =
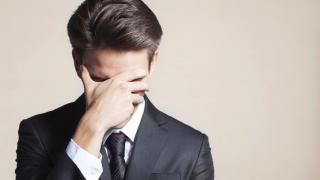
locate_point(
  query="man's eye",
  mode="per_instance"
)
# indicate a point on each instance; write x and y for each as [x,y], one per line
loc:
[99,79]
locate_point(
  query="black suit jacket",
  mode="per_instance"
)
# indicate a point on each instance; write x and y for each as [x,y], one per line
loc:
[164,148]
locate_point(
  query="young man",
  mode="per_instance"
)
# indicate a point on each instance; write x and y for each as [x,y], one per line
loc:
[112,131]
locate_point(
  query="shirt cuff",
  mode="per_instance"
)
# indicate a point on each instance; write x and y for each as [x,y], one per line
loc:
[89,165]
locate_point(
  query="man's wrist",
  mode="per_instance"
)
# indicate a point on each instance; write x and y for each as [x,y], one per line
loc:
[88,138]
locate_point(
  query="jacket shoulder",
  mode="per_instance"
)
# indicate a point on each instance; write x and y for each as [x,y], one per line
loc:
[53,128]
[46,117]
[182,131]
[55,125]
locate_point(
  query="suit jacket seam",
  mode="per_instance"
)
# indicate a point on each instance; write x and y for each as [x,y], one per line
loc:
[198,154]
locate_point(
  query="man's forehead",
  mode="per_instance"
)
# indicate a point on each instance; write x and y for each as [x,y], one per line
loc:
[104,64]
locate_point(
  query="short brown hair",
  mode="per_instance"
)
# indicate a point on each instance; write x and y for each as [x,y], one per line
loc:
[114,24]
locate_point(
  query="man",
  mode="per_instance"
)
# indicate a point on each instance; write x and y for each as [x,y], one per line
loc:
[112,131]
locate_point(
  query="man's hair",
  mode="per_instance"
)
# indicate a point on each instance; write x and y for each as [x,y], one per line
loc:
[114,24]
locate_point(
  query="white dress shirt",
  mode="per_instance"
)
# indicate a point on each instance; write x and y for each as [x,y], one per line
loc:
[91,166]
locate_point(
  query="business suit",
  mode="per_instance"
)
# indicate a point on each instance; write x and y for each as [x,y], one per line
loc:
[165,149]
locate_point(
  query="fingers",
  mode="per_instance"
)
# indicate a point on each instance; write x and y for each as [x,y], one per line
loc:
[137,86]
[85,77]
[137,99]
[128,76]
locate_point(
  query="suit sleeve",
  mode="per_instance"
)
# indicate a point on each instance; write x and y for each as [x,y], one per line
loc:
[204,169]
[33,162]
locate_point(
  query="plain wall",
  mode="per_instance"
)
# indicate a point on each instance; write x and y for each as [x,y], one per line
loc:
[245,72]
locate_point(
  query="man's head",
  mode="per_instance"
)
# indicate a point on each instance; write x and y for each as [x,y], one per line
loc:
[112,36]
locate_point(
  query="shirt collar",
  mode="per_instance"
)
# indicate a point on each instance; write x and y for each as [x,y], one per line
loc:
[130,129]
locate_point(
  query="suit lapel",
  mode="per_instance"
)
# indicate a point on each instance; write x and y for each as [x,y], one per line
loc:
[149,141]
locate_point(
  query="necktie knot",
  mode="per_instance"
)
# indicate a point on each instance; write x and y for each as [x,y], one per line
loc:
[115,143]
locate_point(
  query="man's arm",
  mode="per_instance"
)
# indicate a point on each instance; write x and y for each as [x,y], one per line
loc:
[33,162]
[204,169]
[108,104]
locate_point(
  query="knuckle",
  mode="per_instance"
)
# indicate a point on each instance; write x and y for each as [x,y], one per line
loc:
[115,82]
[111,81]
[131,107]
[123,86]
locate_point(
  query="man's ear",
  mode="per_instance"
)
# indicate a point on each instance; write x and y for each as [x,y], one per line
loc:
[76,63]
[153,62]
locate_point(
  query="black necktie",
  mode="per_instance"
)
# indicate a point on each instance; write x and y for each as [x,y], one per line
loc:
[115,144]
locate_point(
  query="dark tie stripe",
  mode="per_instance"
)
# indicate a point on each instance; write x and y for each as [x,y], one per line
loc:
[115,144]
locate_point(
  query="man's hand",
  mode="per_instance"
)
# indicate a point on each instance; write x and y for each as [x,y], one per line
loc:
[108,104]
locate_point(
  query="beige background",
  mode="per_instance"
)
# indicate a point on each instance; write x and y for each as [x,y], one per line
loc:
[245,72]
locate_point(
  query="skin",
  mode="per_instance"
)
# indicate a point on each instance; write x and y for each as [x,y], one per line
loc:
[114,83]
